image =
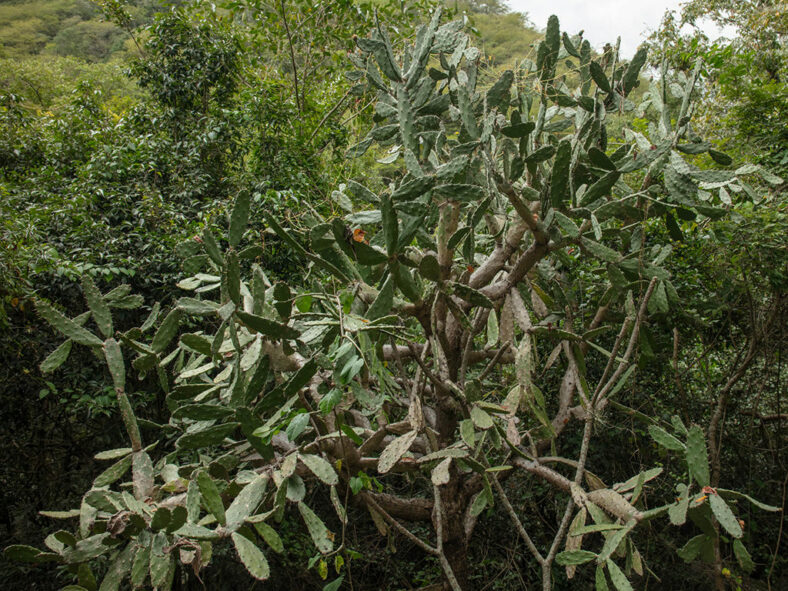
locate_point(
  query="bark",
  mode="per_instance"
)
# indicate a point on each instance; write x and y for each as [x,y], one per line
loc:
[454,542]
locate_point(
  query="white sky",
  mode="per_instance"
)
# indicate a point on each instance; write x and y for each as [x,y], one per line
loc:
[604,20]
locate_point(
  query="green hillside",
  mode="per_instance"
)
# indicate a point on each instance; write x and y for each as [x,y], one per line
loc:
[66,28]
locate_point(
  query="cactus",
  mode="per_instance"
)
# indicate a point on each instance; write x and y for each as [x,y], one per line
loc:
[453,282]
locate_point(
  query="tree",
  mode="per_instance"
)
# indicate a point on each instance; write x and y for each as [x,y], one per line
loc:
[746,97]
[472,324]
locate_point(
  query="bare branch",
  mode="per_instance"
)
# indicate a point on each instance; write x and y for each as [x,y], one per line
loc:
[367,498]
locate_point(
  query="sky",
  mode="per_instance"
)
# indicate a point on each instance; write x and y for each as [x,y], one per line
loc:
[604,20]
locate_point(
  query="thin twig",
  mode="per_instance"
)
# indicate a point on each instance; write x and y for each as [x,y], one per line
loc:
[328,115]
[779,537]
[292,57]
[632,341]
[494,361]
[399,527]
[516,520]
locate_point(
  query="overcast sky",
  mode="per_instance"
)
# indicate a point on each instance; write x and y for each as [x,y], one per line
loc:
[604,20]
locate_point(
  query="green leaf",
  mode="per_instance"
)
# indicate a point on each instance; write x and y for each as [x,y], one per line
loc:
[481,419]
[160,518]
[205,438]
[600,580]
[270,536]
[368,255]
[460,192]
[601,251]
[211,497]
[166,331]
[56,358]
[547,54]
[498,91]
[197,307]
[677,513]
[98,307]
[239,217]
[390,224]
[142,475]
[618,577]
[113,473]
[231,276]
[320,468]
[466,112]
[211,247]
[395,450]
[598,75]
[21,553]
[519,130]
[141,564]
[739,495]
[87,549]
[693,547]
[600,188]
[383,56]
[384,300]
[129,302]
[470,295]
[117,367]
[745,561]
[317,529]
[597,527]
[359,149]
[574,557]
[567,224]
[468,433]
[665,439]
[196,532]
[720,158]
[724,515]
[113,454]
[429,268]
[246,502]
[66,326]
[269,328]
[413,188]
[451,169]
[569,46]
[697,456]
[405,281]
[251,252]
[612,542]
[559,179]
[659,300]
[202,412]
[630,78]
[296,489]
[599,159]
[197,343]
[540,155]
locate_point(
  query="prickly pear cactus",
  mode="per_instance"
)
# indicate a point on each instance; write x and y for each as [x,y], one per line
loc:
[422,342]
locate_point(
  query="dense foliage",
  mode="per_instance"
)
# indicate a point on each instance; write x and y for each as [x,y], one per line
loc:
[386,307]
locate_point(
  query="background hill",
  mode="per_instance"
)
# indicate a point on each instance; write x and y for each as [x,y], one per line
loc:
[67,28]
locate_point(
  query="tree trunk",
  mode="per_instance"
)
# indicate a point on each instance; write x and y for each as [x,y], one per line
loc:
[455,542]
